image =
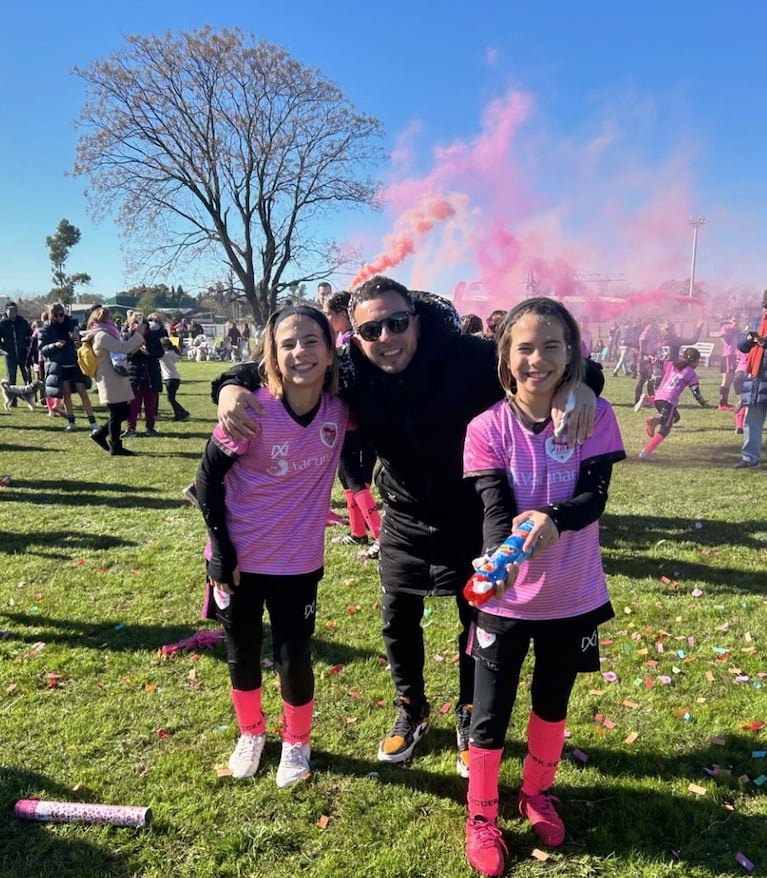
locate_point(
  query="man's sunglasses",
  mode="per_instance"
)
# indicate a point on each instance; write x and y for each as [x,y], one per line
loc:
[396,323]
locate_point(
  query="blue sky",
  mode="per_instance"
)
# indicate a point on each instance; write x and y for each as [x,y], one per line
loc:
[569,139]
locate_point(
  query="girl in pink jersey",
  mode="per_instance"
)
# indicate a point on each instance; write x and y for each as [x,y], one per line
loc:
[523,471]
[264,502]
[676,376]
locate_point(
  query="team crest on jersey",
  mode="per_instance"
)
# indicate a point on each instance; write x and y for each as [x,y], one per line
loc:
[329,433]
[558,450]
[485,638]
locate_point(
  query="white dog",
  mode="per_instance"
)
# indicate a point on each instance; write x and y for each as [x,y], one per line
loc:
[27,392]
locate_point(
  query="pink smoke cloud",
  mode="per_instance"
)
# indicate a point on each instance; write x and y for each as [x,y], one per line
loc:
[409,227]
[533,211]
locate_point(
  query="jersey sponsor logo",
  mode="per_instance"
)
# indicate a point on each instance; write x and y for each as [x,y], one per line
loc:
[279,469]
[589,642]
[282,467]
[280,450]
[485,638]
[533,480]
[558,451]
[310,609]
[329,433]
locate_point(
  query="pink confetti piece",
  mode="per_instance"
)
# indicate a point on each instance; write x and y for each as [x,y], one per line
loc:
[631,738]
[696,592]
[580,755]
[744,861]
[664,679]
[610,677]
[336,669]
[665,580]
[609,724]
[445,707]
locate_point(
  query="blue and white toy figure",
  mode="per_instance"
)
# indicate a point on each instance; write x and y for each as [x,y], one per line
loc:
[484,583]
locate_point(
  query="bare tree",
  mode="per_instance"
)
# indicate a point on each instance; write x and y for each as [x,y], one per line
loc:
[208,141]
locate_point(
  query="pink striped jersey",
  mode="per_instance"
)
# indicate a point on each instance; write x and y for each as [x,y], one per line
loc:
[674,381]
[729,336]
[278,491]
[565,579]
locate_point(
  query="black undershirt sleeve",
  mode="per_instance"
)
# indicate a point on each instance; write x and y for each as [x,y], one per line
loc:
[589,500]
[244,375]
[211,495]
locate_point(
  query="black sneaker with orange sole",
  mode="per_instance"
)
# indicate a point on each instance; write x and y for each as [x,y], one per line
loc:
[408,729]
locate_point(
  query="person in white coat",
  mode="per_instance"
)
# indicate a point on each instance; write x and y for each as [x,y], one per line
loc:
[112,379]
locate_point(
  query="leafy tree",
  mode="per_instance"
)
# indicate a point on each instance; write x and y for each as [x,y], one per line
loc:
[59,245]
[209,142]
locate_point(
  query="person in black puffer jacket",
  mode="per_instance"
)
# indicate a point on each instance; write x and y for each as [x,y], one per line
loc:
[414,382]
[56,343]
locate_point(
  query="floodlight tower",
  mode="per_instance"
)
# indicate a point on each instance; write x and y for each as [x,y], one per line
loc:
[696,222]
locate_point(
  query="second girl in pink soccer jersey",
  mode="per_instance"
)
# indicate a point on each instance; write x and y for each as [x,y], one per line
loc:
[558,597]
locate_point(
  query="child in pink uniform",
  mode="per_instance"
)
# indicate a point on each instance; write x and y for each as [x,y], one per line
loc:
[264,502]
[555,599]
[676,376]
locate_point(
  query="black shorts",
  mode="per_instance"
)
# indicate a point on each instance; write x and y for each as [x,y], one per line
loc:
[290,600]
[668,414]
[74,376]
[574,642]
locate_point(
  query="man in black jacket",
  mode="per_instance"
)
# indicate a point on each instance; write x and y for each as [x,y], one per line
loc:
[15,342]
[414,382]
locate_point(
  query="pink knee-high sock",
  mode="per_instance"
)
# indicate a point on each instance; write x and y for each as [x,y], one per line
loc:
[482,793]
[740,417]
[544,748]
[247,706]
[653,443]
[367,505]
[356,518]
[298,722]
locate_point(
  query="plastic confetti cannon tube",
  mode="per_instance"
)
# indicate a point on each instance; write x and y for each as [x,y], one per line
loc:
[81,812]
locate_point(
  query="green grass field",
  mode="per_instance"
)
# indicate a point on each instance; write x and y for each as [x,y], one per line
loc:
[664,772]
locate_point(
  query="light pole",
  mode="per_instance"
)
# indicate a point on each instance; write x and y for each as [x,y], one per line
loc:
[696,222]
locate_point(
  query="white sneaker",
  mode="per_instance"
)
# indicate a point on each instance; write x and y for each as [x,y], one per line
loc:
[639,403]
[247,755]
[294,764]
[647,456]
[94,427]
